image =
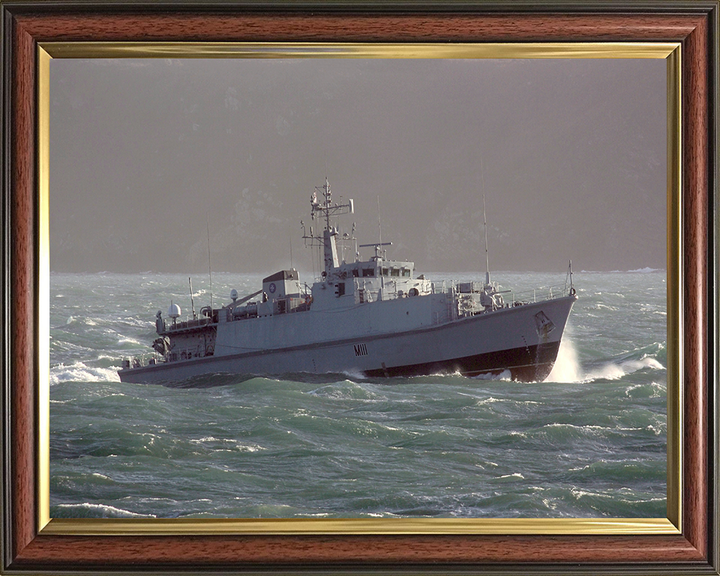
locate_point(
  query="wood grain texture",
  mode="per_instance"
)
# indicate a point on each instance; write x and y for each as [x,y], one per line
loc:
[696,106]
[690,550]
[22,292]
[330,27]
[332,550]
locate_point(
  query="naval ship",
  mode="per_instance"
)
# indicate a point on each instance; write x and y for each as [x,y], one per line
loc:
[372,317]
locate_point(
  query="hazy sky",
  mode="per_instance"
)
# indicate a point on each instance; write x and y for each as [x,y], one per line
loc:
[571,155]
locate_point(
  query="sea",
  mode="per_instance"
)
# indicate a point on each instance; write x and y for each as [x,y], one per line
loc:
[590,441]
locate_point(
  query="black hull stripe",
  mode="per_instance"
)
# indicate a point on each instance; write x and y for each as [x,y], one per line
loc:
[531,364]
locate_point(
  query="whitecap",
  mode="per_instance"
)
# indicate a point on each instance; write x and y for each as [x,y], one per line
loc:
[608,371]
[505,375]
[488,400]
[579,493]
[600,306]
[238,445]
[354,375]
[101,511]
[204,439]
[126,340]
[612,371]
[79,372]
[514,475]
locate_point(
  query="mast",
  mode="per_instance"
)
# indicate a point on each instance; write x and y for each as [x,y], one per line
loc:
[487,257]
[326,210]
[330,246]
[192,300]
[207,224]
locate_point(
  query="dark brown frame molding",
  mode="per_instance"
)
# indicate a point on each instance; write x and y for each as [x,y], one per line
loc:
[694,24]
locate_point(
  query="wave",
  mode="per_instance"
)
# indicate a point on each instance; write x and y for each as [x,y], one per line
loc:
[212,443]
[568,370]
[123,340]
[615,371]
[348,390]
[87,510]
[79,372]
[504,376]
[646,270]
[652,390]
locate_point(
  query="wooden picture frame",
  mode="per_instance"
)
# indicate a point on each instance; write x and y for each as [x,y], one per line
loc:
[30,546]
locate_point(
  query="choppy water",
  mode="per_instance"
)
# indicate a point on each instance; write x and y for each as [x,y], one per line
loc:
[588,442]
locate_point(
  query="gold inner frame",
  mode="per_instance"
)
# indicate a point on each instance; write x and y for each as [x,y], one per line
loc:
[669,51]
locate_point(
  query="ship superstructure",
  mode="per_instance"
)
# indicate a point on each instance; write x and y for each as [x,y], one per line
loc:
[374,317]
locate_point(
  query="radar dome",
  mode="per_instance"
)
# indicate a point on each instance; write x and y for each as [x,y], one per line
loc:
[233,294]
[174,311]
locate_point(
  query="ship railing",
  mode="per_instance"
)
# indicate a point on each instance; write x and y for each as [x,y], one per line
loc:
[439,287]
[187,324]
[518,298]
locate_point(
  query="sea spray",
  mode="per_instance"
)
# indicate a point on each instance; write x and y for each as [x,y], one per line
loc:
[567,367]
[616,370]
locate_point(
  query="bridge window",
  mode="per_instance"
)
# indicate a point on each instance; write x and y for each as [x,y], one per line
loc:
[394,272]
[368,272]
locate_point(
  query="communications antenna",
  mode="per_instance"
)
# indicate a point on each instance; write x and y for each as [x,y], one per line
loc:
[192,300]
[207,221]
[487,257]
[380,227]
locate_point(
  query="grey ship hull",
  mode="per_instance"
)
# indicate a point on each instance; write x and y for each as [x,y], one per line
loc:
[509,339]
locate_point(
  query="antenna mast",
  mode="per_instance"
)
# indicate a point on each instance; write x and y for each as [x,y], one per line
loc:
[192,300]
[487,257]
[380,227]
[325,210]
[207,222]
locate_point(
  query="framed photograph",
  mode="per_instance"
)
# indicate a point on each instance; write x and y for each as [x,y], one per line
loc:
[178,138]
